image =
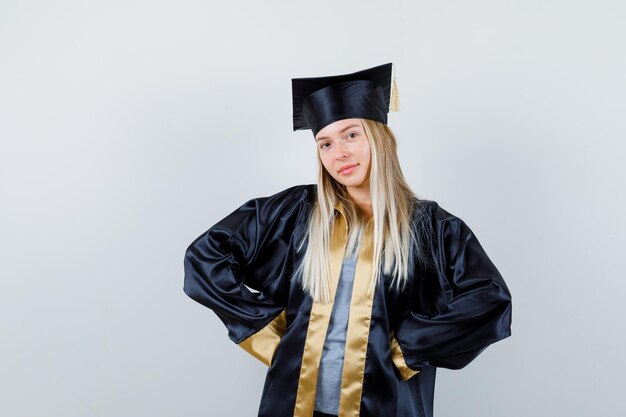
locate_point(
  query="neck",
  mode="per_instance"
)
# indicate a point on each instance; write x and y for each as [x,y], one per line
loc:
[362,198]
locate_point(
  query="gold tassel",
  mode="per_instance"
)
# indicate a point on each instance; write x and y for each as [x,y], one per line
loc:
[394,100]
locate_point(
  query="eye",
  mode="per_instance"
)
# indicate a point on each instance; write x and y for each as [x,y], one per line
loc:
[323,145]
[351,135]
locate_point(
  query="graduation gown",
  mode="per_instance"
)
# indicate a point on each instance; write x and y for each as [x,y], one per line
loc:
[395,340]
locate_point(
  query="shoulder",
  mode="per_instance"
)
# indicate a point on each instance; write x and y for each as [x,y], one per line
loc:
[449,231]
[295,192]
[438,226]
[295,201]
[437,214]
[289,198]
[264,214]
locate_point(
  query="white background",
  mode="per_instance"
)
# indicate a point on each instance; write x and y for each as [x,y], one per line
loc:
[127,128]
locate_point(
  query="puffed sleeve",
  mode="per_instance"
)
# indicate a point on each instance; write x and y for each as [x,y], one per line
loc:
[243,250]
[468,306]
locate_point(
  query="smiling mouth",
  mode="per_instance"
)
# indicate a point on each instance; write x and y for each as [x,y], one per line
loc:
[348,169]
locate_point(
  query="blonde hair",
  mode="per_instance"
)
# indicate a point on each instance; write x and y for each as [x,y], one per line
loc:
[395,240]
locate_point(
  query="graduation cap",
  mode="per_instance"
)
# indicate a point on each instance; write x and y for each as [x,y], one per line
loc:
[320,101]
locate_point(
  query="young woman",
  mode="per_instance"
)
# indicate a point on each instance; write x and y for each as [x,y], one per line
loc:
[351,290]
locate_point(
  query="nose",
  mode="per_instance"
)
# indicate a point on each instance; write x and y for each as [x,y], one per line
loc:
[342,152]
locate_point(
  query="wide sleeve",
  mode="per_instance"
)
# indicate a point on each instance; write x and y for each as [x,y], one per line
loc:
[242,251]
[468,305]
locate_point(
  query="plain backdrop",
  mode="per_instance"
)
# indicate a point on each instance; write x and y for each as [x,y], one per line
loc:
[128,128]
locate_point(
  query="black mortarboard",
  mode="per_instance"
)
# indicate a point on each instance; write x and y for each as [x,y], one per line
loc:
[320,101]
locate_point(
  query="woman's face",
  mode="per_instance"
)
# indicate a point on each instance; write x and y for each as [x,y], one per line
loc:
[345,153]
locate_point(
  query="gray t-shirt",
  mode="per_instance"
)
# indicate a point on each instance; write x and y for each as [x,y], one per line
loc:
[331,364]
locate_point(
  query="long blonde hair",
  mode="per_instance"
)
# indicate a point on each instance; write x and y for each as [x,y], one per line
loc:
[396,241]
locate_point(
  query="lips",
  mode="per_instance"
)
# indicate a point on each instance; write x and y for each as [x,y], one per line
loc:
[346,169]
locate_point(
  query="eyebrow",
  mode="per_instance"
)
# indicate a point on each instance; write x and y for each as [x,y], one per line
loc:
[342,130]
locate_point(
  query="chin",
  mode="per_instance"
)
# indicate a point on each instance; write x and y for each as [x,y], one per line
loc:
[352,183]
